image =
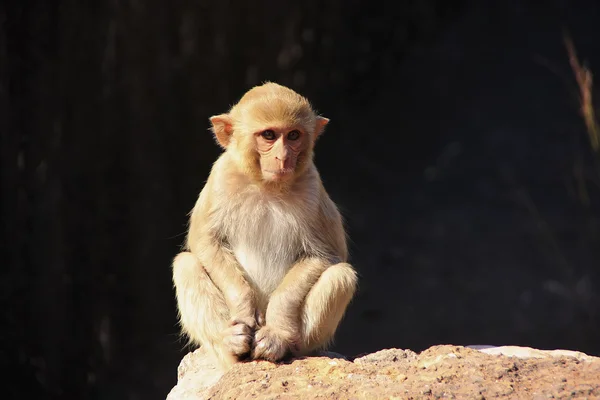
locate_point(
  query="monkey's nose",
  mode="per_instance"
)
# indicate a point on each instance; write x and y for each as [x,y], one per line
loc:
[280,162]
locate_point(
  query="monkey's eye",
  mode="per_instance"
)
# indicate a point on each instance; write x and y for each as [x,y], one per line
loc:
[293,135]
[268,134]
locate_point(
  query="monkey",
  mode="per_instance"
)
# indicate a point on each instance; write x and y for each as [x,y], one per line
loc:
[264,272]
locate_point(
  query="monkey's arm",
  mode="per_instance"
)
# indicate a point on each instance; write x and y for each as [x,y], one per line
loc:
[329,248]
[224,271]
[285,304]
[220,264]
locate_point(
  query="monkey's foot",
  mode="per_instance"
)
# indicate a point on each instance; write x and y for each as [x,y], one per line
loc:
[238,338]
[272,344]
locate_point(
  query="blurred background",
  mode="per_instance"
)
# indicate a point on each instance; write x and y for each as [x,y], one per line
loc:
[457,152]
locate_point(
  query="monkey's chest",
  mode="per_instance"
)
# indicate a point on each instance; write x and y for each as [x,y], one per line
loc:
[266,246]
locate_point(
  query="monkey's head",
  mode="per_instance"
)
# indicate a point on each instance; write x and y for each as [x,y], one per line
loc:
[270,133]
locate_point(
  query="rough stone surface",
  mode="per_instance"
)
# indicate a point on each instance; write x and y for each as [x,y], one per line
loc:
[445,371]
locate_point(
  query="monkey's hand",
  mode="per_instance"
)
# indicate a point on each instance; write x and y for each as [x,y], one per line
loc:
[273,344]
[238,337]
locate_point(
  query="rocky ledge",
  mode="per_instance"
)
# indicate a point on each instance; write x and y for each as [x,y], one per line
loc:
[474,372]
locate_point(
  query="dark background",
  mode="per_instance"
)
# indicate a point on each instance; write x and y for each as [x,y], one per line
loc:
[456,152]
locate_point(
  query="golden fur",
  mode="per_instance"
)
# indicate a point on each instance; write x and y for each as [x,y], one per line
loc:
[264,271]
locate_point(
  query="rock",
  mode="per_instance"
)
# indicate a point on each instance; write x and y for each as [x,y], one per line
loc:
[473,372]
[528,352]
[195,373]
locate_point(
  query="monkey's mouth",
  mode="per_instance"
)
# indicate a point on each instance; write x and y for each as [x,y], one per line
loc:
[279,173]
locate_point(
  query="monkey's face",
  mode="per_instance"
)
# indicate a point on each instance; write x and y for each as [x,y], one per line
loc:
[271,133]
[279,151]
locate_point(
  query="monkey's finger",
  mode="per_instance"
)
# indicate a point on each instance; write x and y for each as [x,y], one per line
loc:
[270,350]
[260,318]
[235,341]
[250,322]
[259,350]
[240,329]
[269,346]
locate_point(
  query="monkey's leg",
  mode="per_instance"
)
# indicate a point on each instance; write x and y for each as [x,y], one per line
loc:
[204,315]
[325,306]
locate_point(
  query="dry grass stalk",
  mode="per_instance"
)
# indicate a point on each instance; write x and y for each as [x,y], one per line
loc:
[585,82]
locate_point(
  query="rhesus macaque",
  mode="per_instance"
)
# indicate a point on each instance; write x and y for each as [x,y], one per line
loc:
[263,274]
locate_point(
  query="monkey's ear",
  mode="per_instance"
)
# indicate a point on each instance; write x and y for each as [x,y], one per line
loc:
[222,128]
[321,123]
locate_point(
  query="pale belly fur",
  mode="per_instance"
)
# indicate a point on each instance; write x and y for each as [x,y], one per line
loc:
[265,246]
